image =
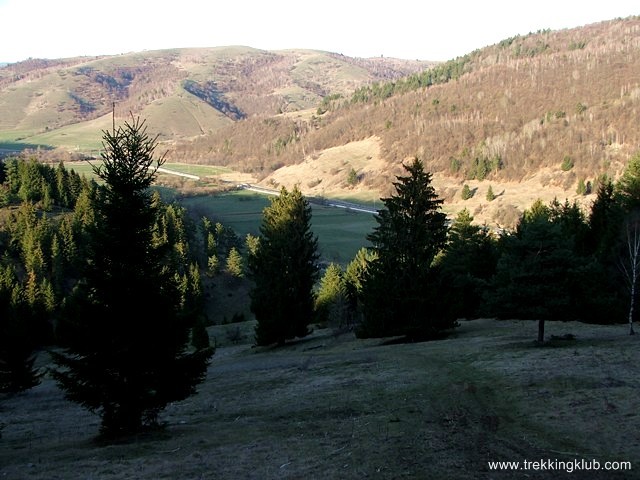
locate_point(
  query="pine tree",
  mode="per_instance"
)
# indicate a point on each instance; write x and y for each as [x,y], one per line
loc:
[234,263]
[399,295]
[605,220]
[17,344]
[126,342]
[581,189]
[490,195]
[543,273]
[352,178]
[467,193]
[331,301]
[57,264]
[63,193]
[467,264]
[251,243]
[628,186]
[284,270]
[213,264]
[354,276]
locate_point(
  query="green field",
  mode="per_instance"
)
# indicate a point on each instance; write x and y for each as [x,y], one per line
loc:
[341,233]
[85,168]
[8,144]
[199,170]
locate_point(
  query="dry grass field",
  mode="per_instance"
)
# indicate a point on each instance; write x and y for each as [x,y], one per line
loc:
[333,407]
[326,174]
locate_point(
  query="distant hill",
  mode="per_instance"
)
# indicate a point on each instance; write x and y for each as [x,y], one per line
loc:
[532,116]
[182,93]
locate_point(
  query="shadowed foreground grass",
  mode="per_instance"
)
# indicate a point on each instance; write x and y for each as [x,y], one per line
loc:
[333,407]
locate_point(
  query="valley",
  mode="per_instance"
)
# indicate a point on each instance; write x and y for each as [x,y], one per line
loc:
[509,115]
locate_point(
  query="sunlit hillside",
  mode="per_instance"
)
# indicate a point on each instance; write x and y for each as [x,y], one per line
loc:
[183,93]
[534,115]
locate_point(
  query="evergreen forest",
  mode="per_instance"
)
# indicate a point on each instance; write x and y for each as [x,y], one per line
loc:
[64,240]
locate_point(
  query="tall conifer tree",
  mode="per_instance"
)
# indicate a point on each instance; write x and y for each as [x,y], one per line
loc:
[284,269]
[126,341]
[399,287]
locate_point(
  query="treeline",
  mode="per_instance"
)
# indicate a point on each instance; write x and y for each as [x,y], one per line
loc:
[440,74]
[422,275]
[558,263]
[45,224]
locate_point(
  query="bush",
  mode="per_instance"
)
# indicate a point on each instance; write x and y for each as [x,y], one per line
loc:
[352,178]
[582,187]
[490,195]
[567,164]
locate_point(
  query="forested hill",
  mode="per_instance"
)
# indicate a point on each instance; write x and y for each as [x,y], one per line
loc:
[548,112]
[538,114]
[511,109]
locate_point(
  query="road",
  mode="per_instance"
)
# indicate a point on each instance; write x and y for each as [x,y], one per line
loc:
[355,207]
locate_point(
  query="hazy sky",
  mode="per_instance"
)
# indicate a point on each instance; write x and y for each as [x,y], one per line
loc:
[411,29]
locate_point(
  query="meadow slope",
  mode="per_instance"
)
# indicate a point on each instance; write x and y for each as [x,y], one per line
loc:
[331,406]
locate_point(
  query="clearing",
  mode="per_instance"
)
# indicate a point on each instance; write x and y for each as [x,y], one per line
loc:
[333,407]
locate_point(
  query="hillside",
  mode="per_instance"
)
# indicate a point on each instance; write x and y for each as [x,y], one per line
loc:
[336,407]
[182,93]
[506,116]
[509,116]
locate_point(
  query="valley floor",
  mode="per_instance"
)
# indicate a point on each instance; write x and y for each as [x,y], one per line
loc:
[333,407]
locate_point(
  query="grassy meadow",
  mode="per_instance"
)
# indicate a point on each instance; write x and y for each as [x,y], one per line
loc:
[341,233]
[194,169]
[84,168]
[334,407]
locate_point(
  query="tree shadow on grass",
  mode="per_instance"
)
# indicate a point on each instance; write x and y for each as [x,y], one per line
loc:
[418,338]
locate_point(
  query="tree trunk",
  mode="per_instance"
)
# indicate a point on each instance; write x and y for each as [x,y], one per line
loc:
[633,297]
[540,331]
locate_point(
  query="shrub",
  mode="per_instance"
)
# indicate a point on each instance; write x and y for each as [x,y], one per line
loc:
[567,164]
[490,195]
[352,178]
[467,193]
[582,188]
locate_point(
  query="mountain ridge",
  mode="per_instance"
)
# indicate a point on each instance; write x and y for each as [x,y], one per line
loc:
[40,96]
[511,115]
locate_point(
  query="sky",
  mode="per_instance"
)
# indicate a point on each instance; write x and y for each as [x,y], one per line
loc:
[409,29]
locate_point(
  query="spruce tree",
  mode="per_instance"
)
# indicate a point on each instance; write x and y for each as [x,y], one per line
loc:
[17,342]
[545,271]
[490,195]
[126,342]
[284,270]
[467,193]
[354,276]
[331,301]
[235,265]
[467,264]
[605,220]
[628,186]
[399,290]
